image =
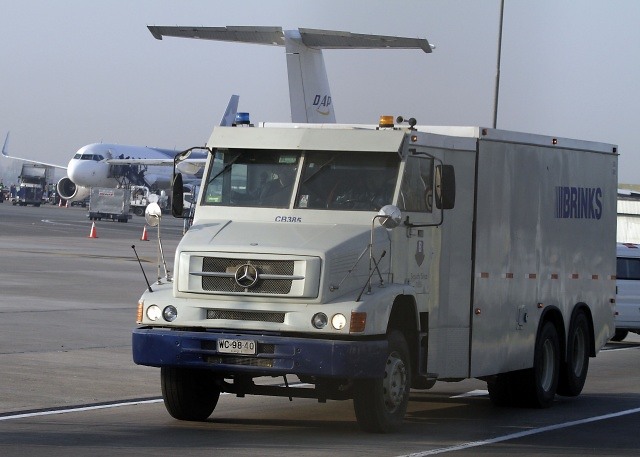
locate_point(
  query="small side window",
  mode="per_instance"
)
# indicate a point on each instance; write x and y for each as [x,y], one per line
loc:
[628,268]
[416,192]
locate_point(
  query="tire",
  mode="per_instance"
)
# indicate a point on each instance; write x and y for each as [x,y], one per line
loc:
[189,395]
[620,335]
[380,404]
[536,387]
[573,372]
[138,211]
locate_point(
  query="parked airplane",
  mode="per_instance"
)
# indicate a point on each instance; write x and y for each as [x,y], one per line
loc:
[111,165]
[309,94]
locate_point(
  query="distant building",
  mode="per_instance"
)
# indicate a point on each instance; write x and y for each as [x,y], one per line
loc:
[628,216]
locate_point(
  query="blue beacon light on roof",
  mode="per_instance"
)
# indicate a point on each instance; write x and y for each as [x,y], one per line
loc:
[242,119]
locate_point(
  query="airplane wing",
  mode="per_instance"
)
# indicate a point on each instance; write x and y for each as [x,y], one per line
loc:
[153,162]
[5,153]
[194,163]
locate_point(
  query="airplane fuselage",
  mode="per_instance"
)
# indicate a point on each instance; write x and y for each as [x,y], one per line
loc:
[89,167]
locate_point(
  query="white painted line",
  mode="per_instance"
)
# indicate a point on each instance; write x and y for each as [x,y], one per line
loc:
[473,393]
[79,409]
[105,406]
[514,436]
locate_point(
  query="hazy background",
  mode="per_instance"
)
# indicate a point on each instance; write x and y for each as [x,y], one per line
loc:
[75,72]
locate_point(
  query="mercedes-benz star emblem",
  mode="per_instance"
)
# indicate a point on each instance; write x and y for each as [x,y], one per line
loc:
[246,276]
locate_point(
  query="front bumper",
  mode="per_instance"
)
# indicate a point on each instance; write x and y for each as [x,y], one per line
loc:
[276,355]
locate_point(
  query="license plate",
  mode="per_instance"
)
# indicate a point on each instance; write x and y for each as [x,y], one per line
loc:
[232,346]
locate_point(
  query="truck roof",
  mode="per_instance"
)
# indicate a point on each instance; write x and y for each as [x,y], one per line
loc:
[296,138]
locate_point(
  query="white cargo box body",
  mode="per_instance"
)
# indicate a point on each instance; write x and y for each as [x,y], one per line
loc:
[533,229]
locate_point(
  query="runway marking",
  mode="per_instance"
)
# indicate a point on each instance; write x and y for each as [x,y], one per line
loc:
[473,393]
[76,409]
[513,436]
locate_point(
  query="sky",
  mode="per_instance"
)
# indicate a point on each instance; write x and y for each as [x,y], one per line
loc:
[77,72]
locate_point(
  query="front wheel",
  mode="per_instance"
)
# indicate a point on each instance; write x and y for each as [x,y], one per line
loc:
[380,404]
[188,394]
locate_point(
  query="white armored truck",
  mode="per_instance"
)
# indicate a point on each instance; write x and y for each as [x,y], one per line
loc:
[368,260]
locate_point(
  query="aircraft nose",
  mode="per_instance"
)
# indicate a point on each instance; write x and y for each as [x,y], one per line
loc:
[81,172]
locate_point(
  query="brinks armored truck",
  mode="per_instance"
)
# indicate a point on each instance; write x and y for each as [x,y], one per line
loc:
[354,262]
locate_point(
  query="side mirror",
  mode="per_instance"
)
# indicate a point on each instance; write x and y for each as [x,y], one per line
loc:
[389,216]
[177,196]
[153,214]
[445,191]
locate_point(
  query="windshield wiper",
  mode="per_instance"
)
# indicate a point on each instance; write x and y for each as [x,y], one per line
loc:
[226,167]
[320,169]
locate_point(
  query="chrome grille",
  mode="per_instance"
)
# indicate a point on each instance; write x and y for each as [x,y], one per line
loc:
[259,316]
[226,267]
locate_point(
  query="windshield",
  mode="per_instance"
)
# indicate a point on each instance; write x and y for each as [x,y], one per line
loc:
[328,180]
[362,181]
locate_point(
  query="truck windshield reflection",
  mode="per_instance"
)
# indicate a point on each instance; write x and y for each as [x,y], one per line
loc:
[307,180]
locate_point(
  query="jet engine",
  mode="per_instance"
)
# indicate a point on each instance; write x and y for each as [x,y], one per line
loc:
[68,190]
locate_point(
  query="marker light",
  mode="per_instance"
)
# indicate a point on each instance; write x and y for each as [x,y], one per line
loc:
[385,122]
[319,320]
[358,322]
[140,312]
[338,321]
[242,119]
[170,313]
[153,313]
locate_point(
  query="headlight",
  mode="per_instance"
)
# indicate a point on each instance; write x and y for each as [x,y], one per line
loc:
[153,313]
[338,321]
[170,313]
[319,320]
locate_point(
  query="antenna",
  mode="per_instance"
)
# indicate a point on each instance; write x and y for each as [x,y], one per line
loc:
[133,246]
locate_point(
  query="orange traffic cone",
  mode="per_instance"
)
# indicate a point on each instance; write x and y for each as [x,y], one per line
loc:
[144,236]
[93,233]
[60,203]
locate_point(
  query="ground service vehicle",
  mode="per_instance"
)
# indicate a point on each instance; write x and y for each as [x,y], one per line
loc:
[32,181]
[109,203]
[366,260]
[141,196]
[627,318]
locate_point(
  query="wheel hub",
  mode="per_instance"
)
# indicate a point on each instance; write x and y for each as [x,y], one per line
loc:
[395,382]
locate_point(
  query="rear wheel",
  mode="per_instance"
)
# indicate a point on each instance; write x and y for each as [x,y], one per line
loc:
[380,404]
[536,387]
[574,371]
[188,394]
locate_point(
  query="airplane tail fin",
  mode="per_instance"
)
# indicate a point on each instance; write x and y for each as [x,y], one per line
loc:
[5,150]
[309,93]
[229,116]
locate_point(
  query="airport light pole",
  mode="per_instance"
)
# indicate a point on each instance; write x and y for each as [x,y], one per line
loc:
[495,100]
